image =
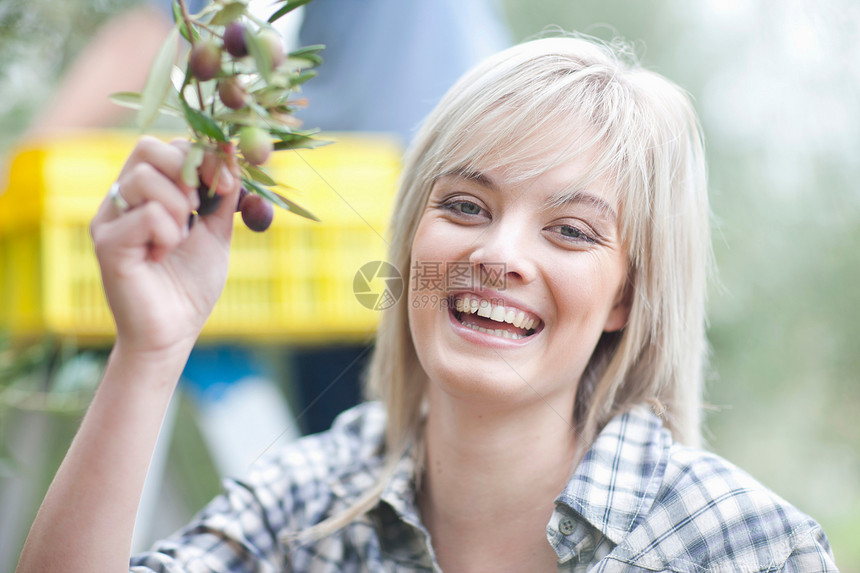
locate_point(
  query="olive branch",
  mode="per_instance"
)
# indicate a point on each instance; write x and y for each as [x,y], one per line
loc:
[237,90]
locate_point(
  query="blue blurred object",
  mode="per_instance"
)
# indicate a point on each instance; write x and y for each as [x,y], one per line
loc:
[211,369]
[328,383]
[388,62]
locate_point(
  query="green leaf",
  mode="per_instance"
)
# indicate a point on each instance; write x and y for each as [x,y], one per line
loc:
[260,55]
[278,200]
[132,100]
[307,50]
[158,82]
[202,123]
[183,29]
[240,116]
[193,160]
[309,54]
[301,78]
[271,96]
[229,13]
[259,175]
[297,140]
[126,99]
[289,6]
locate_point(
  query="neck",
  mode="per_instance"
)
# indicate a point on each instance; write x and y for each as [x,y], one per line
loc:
[485,464]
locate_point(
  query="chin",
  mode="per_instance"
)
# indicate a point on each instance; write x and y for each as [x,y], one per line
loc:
[481,380]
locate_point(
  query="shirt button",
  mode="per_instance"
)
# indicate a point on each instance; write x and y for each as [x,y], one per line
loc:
[565,526]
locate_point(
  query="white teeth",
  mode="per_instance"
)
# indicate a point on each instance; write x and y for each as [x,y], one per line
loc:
[497,313]
[496,332]
[518,321]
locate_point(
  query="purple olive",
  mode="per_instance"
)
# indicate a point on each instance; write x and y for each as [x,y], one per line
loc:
[257,212]
[205,60]
[232,93]
[234,40]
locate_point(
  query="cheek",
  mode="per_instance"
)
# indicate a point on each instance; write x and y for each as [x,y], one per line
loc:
[436,240]
[586,290]
[436,253]
[425,282]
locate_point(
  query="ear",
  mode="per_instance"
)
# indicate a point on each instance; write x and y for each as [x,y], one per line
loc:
[620,312]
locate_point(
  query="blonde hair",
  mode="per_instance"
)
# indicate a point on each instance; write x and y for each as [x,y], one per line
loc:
[567,96]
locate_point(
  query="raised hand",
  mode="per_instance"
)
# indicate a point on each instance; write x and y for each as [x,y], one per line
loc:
[161,274]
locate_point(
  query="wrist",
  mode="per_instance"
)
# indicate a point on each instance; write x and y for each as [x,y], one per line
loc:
[154,368]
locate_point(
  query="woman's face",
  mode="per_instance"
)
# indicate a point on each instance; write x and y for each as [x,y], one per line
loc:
[512,284]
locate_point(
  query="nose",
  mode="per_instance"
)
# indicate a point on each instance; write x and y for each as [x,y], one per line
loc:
[504,252]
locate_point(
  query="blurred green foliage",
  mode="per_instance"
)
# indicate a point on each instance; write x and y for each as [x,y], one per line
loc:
[777,88]
[780,104]
[38,40]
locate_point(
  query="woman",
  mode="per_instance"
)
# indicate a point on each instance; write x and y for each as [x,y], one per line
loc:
[538,411]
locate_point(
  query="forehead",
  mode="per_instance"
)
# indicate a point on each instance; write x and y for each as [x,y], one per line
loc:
[541,163]
[525,142]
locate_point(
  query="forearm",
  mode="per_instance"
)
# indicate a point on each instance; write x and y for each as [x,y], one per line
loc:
[87,518]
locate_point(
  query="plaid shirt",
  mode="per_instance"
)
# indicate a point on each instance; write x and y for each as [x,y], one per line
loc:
[637,502]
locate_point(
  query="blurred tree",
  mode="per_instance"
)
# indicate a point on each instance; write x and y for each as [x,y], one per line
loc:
[38,39]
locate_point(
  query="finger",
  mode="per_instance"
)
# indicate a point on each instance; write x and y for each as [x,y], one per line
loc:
[166,157]
[150,227]
[144,184]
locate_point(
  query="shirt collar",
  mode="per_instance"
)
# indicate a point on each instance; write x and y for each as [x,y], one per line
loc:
[617,481]
[409,546]
[613,488]
[399,490]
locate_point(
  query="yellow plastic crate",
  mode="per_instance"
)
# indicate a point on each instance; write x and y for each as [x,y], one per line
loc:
[291,283]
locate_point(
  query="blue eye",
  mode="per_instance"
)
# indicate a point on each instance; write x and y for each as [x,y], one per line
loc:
[572,232]
[464,207]
[468,208]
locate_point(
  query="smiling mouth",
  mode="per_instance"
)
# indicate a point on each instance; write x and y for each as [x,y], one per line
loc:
[494,319]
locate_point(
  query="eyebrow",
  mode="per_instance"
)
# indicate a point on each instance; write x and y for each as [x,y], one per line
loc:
[578,196]
[556,200]
[473,176]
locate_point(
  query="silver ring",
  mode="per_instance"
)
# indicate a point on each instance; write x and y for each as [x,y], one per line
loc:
[118,200]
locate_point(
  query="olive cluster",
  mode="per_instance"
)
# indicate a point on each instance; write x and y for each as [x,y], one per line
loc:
[238,92]
[205,63]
